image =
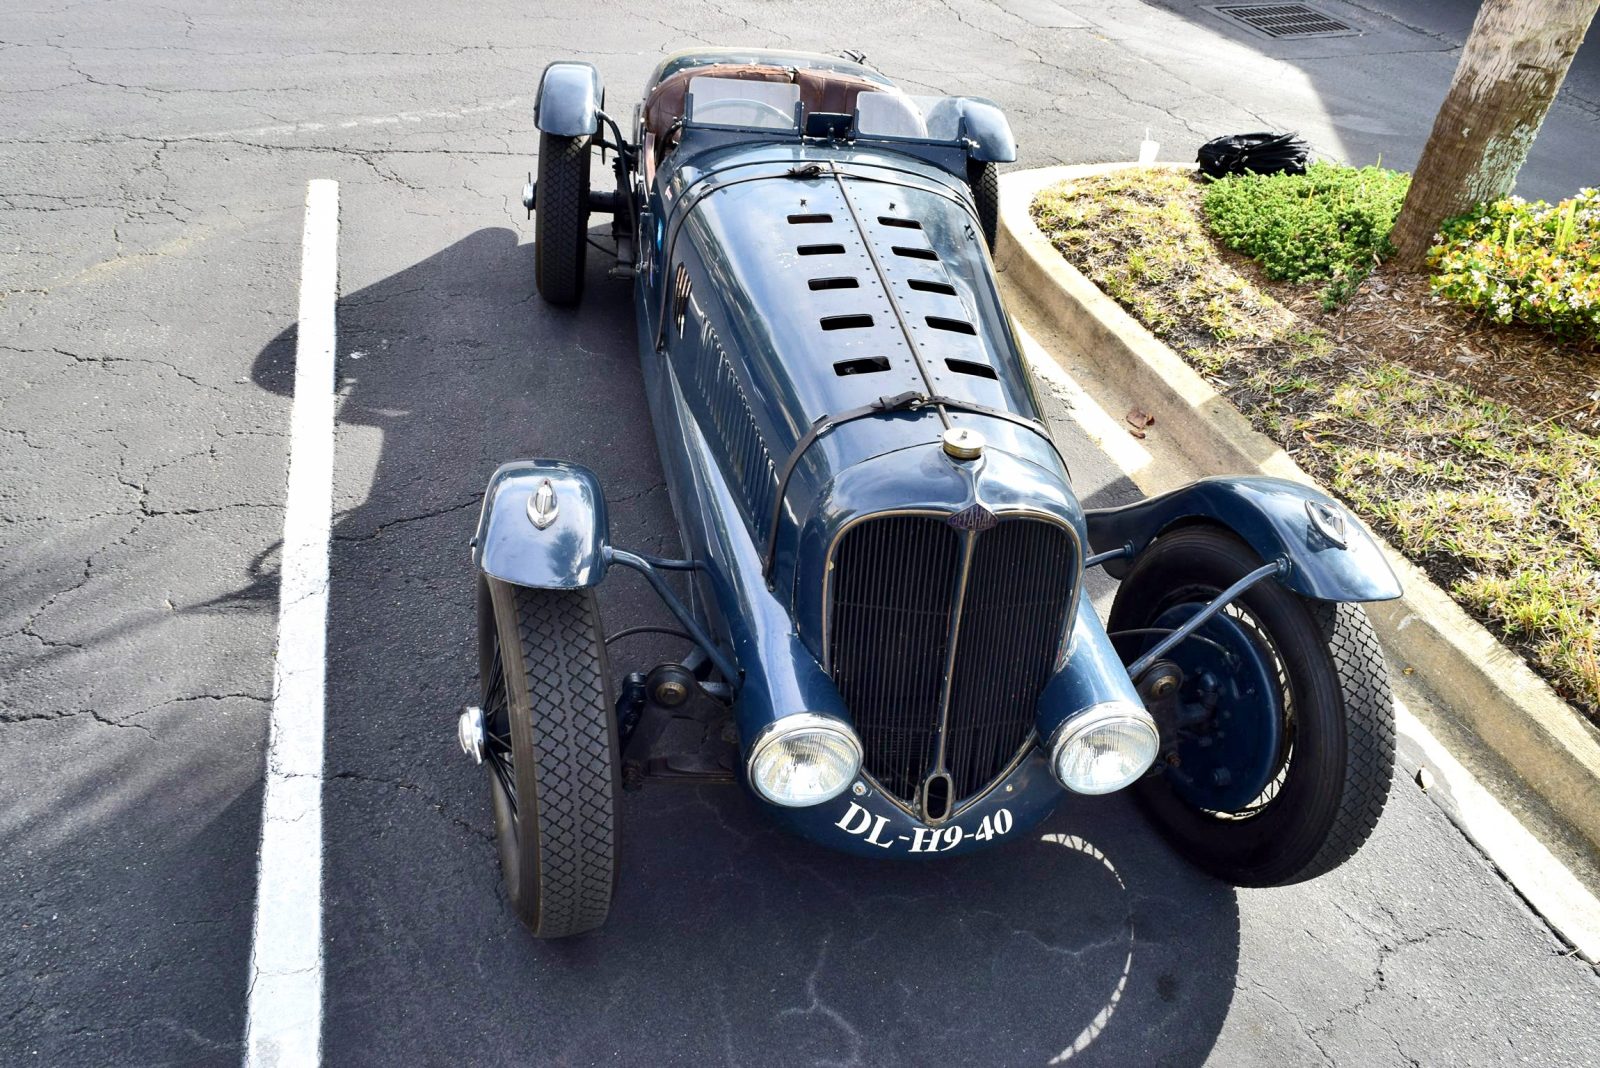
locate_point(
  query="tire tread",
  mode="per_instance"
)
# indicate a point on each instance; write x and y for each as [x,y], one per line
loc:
[1336,797]
[561,221]
[984,179]
[1369,734]
[572,739]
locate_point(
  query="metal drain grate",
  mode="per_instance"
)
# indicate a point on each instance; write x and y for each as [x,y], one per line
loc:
[1286,21]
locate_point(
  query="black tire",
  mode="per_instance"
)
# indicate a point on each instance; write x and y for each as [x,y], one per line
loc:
[1332,773]
[561,218]
[984,178]
[552,754]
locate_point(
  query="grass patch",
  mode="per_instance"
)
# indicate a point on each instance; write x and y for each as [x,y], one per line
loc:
[1499,504]
[1136,235]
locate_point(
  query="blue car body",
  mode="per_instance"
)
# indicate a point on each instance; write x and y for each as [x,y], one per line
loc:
[814,314]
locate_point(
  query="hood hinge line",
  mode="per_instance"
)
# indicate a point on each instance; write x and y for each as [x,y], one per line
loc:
[888,295]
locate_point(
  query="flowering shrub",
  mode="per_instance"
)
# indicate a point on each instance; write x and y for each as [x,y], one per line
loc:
[1529,263]
[1330,224]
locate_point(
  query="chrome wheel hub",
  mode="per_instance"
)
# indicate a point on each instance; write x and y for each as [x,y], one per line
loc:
[470,733]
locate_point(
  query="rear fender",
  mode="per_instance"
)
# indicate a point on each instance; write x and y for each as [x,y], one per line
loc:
[544,525]
[1331,556]
[986,127]
[982,124]
[571,95]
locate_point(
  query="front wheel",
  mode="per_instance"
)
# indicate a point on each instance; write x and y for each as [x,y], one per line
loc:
[550,737]
[561,218]
[1279,750]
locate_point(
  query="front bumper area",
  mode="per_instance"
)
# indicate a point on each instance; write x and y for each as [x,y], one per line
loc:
[867,821]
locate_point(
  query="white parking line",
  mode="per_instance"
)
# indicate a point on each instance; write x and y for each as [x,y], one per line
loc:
[284,1023]
[399,118]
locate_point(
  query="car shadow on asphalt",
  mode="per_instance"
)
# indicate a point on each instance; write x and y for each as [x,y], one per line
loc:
[1089,941]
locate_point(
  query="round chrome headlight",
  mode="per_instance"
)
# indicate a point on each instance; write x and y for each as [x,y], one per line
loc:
[804,759]
[1104,748]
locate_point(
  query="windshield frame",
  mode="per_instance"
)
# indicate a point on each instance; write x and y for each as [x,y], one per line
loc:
[779,96]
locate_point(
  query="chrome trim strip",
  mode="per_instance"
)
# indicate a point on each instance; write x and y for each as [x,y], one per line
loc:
[966,803]
[1028,746]
[827,567]
[1006,513]
[958,599]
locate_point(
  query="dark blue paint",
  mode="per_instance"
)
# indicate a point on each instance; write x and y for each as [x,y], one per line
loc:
[1228,756]
[751,297]
[918,477]
[1270,515]
[1092,675]
[569,101]
[1028,794]
[782,675]
[985,125]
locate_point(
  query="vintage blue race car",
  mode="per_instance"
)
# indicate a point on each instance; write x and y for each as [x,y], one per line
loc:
[882,582]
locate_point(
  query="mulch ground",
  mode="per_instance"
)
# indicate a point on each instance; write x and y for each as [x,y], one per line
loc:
[1398,318]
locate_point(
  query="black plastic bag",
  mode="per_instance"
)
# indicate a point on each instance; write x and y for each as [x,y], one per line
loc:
[1260,153]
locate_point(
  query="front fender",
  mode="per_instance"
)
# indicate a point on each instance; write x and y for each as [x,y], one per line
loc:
[1331,555]
[567,551]
[569,101]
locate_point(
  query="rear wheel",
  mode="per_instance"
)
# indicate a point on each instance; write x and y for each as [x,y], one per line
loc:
[1280,749]
[550,745]
[561,218]
[984,178]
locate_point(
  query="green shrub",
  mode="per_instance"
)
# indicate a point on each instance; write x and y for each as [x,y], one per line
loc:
[1330,224]
[1529,263]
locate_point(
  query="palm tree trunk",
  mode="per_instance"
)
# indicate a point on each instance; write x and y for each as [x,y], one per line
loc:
[1512,65]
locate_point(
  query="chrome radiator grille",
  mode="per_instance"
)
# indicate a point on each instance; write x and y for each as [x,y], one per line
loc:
[897,605]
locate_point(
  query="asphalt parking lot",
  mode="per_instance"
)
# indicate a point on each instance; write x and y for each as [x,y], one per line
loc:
[153,165]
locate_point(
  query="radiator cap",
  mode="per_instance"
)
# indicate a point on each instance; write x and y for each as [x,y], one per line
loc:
[962,443]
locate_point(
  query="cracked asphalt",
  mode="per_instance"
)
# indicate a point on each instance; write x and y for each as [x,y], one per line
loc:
[153,161]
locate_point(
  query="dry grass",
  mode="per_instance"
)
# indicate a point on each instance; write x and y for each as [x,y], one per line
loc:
[1474,447]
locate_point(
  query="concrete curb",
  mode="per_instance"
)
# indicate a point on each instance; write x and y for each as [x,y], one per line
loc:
[1492,692]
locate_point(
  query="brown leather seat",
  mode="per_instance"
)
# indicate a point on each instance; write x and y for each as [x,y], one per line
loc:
[820,90]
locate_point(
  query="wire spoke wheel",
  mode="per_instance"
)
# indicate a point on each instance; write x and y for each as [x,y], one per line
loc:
[1279,763]
[497,725]
[550,747]
[1284,756]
